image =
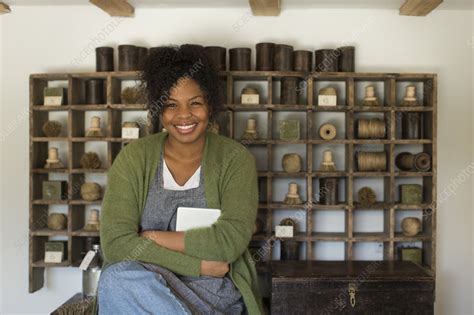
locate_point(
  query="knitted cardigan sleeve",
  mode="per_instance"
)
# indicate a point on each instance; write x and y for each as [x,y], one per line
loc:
[120,219]
[229,237]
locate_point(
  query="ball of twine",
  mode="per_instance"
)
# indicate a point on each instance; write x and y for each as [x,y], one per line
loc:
[52,128]
[366,196]
[371,161]
[371,128]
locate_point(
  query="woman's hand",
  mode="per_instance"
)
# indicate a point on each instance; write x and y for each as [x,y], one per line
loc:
[216,269]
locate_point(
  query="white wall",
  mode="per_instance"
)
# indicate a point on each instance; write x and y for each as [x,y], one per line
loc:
[56,39]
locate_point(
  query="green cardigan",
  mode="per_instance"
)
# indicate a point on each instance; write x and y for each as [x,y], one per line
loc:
[230,182]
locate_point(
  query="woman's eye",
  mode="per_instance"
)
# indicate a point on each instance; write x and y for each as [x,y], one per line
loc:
[170,105]
[195,103]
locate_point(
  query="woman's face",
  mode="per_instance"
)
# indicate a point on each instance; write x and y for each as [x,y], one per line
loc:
[186,113]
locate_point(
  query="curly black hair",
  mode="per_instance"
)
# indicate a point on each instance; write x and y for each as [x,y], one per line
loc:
[166,66]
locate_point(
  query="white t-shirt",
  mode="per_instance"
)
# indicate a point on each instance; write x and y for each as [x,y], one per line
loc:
[170,183]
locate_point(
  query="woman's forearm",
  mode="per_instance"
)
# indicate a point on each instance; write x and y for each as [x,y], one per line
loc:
[171,240]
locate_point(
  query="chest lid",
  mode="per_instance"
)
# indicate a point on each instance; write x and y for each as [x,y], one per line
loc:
[368,275]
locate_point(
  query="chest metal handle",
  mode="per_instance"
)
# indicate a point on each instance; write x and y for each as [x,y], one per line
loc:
[352,294]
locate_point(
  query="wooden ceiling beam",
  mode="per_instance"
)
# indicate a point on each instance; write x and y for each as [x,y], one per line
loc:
[4,8]
[115,7]
[265,7]
[419,7]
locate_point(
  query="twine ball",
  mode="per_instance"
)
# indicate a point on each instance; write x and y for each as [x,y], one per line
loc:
[288,222]
[52,128]
[411,226]
[366,196]
[291,163]
[133,95]
[91,191]
[57,221]
[90,160]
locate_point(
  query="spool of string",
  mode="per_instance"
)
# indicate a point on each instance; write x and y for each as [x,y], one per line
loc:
[371,161]
[371,128]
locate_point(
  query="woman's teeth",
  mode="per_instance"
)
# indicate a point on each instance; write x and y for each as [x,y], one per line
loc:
[185,128]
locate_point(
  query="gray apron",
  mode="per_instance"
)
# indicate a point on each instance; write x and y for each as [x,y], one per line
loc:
[202,295]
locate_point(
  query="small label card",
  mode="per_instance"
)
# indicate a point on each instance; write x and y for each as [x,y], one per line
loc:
[53,100]
[130,133]
[53,257]
[284,231]
[327,100]
[87,260]
[250,99]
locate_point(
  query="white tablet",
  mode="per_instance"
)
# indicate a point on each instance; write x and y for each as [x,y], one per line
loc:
[191,218]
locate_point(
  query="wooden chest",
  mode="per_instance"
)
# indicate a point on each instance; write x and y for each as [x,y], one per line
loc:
[345,287]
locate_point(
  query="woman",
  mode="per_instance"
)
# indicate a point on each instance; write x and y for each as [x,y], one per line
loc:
[149,267]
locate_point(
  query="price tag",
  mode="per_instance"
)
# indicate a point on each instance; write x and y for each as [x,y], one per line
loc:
[284,231]
[87,260]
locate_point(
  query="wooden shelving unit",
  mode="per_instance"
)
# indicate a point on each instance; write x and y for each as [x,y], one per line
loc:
[74,140]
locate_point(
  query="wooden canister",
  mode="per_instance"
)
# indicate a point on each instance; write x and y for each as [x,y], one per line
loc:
[411,125]
[346,59]
[326,60]
[239,59]
[142,53]
[328,191]
[95,91]
[407,161]
[289,250]
[265,53]
[289,90]
[303,60]
[283,58]
[423,162]
[217,56]
[192,46]
[104,59]
[152,50]
[128,58]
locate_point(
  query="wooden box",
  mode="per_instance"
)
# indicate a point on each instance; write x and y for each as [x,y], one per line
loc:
[350,287]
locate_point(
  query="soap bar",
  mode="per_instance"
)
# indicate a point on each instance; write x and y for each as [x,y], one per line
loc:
[289,130]
[411,254]
[54,96]
[55,251]
[411,194]
[54,190]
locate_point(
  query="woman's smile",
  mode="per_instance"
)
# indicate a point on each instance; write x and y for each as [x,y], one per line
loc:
[186,128]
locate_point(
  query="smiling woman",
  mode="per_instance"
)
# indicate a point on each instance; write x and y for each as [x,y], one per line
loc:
[149,267]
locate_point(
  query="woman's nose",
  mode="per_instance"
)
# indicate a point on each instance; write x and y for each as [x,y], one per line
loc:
[184,111]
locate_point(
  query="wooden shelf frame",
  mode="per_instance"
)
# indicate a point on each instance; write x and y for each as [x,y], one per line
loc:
[390,237]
